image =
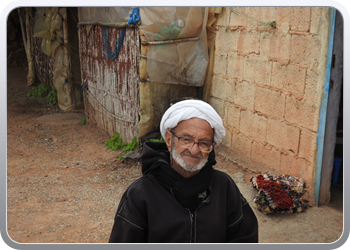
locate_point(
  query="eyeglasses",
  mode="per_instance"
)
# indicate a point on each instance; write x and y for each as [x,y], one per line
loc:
[186,142]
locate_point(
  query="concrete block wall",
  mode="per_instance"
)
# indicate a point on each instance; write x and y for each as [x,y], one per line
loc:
[267,86]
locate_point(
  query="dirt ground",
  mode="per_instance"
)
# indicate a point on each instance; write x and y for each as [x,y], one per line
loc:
[63,185]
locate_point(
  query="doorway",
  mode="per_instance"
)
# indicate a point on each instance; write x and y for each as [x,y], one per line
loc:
[337,186]
[331,188]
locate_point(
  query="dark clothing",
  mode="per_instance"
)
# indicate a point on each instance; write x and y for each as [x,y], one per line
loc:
[164,207]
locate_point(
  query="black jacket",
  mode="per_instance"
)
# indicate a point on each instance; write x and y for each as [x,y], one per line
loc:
[149,212]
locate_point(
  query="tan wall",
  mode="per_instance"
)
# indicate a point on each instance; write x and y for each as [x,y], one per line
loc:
[267,86]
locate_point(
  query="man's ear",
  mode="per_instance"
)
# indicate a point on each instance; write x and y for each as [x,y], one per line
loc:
[168,138]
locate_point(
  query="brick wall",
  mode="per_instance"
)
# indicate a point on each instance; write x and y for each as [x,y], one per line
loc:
[267,86]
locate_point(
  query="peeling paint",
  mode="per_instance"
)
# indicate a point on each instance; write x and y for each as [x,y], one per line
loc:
[113,85]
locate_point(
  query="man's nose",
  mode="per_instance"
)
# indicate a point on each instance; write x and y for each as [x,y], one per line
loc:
[194,149]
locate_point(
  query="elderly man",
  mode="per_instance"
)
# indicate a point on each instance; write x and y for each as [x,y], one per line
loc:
[180,198]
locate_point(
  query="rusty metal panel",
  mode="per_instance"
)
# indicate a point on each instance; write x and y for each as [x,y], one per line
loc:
[111,93]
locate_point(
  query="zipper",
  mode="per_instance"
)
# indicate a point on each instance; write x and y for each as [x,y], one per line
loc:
[193,218]
[193,227]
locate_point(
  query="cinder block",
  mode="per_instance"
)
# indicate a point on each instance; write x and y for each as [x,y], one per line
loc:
[300,19]
[282,19]
[228,138]
[282,135]
[265,41]
[236,19]
[312,88]
[253,125]
[307,50]
[279,47]
[226,41]
[307,147]
[220,64]
[302,112]
[235,66]
[269,102]
[241,145]
[257,70]
[265,156]
[223,88]
[218,105]
[233,116]
[289,77]
[263,14]
[244,94]
[308,174]
[292,165]
[249,42]
[318,15]
[216,86]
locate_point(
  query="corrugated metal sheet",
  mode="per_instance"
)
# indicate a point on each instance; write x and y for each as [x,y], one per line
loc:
[111,93]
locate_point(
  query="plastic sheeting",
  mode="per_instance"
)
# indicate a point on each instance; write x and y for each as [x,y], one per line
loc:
[153,19]
[182,62]
[51,26]
[60,78]
[213,15]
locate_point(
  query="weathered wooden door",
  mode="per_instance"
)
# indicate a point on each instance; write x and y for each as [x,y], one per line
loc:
[110,84]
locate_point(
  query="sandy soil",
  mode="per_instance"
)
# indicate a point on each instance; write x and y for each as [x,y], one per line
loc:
[63,185]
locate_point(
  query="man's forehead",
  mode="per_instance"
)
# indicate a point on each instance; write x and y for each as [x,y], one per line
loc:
[194,126]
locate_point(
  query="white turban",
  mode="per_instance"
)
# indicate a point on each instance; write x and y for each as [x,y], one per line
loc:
[187,109]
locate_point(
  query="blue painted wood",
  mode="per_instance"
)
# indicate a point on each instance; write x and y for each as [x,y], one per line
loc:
[324,104]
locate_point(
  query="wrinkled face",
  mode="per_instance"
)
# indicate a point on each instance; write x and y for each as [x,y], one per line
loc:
[191,159]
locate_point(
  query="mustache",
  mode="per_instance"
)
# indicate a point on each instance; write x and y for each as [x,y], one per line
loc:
[186,152]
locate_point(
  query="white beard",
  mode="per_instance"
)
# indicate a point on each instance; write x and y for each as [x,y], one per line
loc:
[188,167]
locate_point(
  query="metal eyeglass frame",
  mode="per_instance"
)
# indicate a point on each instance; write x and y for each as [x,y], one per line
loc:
[194,142]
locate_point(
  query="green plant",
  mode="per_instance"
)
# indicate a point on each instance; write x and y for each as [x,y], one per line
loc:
[127,148]
[42,92]
[131,146]
[161,139]
[116,143]
[83,122]
[38,92]
[51,98]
